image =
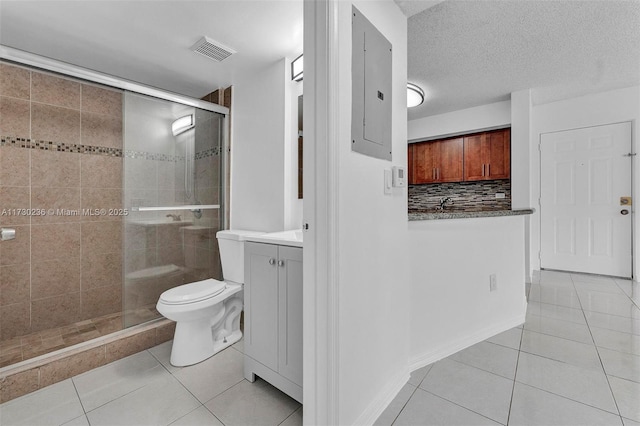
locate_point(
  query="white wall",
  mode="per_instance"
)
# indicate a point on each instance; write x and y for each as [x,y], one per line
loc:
[261,163]
[293,205]
[478,118]
[451,305]
[372,241]
[521,154]
[451,260]
[596,109]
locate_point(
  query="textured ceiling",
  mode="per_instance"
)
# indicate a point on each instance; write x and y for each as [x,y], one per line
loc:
[411,7]
[469,53]
[463,53]
[149,41]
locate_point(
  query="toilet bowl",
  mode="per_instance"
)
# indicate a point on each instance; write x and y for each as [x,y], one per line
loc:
[207,313]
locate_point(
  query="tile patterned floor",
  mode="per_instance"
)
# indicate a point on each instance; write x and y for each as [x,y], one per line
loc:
[145,389]
[575,361]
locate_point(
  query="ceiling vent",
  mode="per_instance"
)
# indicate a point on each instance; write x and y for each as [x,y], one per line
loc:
[212,49]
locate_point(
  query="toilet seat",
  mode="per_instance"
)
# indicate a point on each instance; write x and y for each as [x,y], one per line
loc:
[193,292]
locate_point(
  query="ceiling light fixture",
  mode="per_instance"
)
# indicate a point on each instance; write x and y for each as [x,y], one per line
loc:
[297,67]
[415,95]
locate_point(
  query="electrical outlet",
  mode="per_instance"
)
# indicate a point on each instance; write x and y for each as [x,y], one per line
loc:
[493,282]
[500,195]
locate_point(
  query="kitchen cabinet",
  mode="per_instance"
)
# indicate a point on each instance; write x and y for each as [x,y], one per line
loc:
[273,316]
[487,155]
[437,161]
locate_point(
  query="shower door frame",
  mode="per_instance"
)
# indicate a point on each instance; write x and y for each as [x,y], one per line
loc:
[25,58]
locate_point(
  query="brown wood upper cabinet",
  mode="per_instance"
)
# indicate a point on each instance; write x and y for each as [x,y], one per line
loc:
[487,155]
[436,161]
[480,156]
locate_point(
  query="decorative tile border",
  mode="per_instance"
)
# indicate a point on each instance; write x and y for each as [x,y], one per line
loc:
[99,150]
[59,146]
[209,152]
[152,156]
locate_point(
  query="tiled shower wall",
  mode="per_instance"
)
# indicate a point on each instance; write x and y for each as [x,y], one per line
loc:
[61,149]
[468,196]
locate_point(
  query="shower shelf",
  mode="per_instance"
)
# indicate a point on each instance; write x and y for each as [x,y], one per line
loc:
[167,208]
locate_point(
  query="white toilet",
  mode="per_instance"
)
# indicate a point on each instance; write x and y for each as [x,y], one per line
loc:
[207,313]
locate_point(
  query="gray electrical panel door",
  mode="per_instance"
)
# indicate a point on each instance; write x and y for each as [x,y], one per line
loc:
[371,89]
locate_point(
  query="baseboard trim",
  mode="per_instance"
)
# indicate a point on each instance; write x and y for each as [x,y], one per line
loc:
[456,345]
[384,398]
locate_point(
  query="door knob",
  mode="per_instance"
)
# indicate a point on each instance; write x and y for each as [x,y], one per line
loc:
[272,261]
[280,262]
[624,212]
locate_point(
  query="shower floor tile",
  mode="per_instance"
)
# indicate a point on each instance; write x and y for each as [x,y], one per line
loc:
[29,346]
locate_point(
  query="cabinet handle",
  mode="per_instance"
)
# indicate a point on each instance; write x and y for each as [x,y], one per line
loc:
[488,169]
[280,262]
[272,261]
[483,169]
[433,173]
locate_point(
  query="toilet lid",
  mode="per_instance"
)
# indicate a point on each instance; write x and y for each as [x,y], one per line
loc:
[192,292]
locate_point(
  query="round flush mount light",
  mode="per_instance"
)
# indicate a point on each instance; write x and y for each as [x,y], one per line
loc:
[415,95]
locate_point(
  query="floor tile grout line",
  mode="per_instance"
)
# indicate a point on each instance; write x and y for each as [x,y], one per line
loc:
[412,393]
[513,388]
[462,406]
[480,368]
[294,411]
[600,359]
[191,393]
[553,335]
[567,398]
[79,399]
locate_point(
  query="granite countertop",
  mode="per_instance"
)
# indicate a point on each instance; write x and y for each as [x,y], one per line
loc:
[462,214]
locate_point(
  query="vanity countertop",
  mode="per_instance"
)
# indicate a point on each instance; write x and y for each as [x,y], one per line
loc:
[291,238]
[460,214]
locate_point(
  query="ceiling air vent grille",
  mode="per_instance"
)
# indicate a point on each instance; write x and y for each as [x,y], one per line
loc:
[212,49]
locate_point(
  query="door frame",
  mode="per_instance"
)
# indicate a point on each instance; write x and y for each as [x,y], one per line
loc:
[632,175]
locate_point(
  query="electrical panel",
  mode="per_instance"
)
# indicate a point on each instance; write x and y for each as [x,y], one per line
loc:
[371,89]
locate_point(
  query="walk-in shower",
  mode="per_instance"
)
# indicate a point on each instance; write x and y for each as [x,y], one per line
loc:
[114,196]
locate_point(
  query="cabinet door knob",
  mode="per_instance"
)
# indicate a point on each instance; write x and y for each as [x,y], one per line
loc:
[280,262]
[272,261]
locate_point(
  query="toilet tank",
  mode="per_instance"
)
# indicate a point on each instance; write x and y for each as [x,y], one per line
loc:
[231,245]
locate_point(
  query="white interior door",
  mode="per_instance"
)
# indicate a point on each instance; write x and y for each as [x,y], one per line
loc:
[585,226]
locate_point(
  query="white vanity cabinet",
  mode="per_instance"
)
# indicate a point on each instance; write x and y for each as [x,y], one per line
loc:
[273,316]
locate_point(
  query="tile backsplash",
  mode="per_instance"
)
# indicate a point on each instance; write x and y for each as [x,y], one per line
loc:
[467,196]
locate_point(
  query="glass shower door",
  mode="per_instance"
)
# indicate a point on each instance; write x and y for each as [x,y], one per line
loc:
[173,189]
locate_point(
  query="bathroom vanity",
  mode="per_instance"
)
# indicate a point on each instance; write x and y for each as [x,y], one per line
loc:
[273,311]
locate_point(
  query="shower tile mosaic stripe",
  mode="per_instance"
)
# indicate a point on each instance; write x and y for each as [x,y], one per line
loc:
[59,146]
[466,196]
[11,141]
